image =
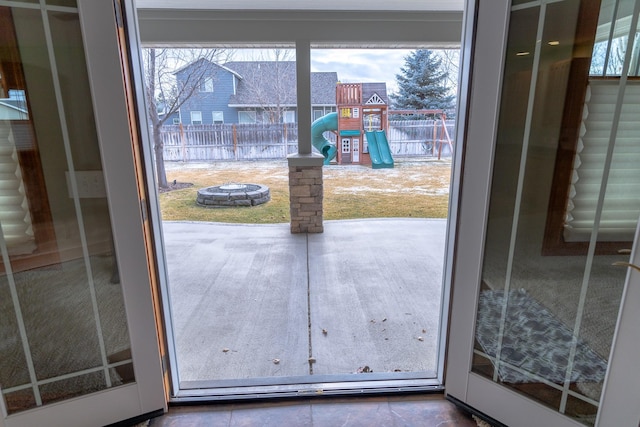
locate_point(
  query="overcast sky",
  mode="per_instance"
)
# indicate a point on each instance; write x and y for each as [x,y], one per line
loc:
[361,65]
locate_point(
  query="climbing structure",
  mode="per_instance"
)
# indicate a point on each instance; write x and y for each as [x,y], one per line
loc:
[362,124]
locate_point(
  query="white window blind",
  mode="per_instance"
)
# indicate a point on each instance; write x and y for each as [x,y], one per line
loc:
[621,206]
[14,207]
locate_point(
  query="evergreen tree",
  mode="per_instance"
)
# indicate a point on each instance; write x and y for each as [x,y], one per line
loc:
[422,83]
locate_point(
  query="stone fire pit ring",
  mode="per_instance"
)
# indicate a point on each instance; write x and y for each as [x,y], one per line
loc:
[230,195]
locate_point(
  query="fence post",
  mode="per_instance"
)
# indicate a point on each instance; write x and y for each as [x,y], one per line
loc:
[434,136]
[286,141]
[183,144]
[235,141]
[446,135]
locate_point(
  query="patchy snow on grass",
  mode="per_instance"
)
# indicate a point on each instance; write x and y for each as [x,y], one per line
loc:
[427,191]
[429,178]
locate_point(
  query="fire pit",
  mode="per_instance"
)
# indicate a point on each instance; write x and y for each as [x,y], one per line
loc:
[233,194]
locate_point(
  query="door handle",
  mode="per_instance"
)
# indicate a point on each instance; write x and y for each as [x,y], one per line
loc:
[626,264]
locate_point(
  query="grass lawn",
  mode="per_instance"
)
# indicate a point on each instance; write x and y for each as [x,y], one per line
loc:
[413,188]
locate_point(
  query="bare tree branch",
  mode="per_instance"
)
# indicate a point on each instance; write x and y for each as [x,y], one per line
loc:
[165,96]
[271,89]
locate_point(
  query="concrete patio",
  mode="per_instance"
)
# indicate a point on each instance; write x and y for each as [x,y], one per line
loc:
[255,301]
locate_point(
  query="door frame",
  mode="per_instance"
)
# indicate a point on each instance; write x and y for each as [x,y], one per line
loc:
[485,36]
[177,25]
[146,395]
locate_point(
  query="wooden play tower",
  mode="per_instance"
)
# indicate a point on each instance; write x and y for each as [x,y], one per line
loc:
[358,120]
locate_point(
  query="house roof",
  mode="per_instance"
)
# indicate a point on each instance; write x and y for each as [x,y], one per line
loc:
[199,62]
[371,89]
[274,82]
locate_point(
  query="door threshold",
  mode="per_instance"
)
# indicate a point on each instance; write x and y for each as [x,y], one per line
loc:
[307,389]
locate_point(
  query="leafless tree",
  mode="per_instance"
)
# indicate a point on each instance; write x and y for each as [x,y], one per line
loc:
[451,65]
[165,96]
[273,89]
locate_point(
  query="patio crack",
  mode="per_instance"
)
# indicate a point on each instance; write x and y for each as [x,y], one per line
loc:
[311,358]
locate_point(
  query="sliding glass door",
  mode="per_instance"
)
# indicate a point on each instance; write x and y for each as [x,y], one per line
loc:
[76,318]
[559,209]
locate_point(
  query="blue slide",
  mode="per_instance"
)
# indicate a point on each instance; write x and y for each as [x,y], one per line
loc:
[324,146]
[379,150]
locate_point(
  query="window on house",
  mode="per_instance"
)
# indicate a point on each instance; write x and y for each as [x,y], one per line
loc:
[247,117]
[196,117]
[218,117]
[289,117]
[317,113]
[176,121]
[206,85]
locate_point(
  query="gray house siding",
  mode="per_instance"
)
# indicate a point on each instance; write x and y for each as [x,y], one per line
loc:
[208,102]
[246,86]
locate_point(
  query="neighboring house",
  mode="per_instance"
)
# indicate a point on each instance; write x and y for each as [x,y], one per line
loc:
[252,92]
[173,119]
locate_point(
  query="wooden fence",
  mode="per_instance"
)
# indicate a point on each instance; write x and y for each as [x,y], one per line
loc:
[407,138]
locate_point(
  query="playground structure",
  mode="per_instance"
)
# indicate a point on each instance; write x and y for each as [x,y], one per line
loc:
[439,137]
[360,124]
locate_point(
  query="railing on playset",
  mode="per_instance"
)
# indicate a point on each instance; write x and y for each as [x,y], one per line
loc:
[349,94]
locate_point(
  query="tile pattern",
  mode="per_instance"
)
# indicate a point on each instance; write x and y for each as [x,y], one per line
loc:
[396,411]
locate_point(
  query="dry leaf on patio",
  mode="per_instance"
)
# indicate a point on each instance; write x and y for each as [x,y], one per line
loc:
[364,370]
[324,331]
[312,360]
[225,350]
[420,339]
[276,361]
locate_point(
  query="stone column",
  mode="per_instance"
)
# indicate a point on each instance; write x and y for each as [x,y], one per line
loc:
[305,167]
[305,193]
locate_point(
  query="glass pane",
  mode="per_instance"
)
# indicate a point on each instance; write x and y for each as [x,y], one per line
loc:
[68,3]
[20,399]
[611,40]
[63,323]
[548,306]
[393,337]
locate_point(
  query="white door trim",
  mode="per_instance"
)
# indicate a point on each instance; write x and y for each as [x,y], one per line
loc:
[488,30]
[99,29]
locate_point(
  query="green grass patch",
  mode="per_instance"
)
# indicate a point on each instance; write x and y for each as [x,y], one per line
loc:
[415,189]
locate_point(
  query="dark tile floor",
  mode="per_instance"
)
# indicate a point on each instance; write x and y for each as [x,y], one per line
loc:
[407,410]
